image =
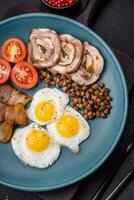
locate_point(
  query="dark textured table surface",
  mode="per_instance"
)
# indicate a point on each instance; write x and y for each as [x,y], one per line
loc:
[115,24]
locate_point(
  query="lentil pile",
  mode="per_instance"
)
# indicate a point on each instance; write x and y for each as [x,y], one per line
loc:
[92,101]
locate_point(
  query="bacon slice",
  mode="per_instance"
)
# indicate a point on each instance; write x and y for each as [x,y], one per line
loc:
[16,113]
[71,55]
[91,66]
[44,48]
[11,96]
[6,131]
[2,111]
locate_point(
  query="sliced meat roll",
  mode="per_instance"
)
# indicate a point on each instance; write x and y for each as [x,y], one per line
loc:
[91,66]
[71,54]
[44,48]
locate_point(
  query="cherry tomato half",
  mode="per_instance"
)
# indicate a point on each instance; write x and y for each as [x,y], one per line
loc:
[14,50]
[5,69]
[24,75]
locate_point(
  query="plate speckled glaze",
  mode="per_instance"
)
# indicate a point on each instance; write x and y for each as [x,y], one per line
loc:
[105,133]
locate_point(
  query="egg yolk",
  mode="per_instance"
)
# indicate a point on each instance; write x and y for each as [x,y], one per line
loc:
[67,125]
[37,140]
[44,111]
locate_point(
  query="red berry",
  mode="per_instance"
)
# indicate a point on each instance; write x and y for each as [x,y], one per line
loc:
[60,3]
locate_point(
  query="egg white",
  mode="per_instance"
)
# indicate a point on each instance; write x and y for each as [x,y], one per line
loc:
[28,157]
[71,143]
[59,99]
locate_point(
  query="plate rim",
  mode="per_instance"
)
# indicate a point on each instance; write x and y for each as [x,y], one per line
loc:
[120,132]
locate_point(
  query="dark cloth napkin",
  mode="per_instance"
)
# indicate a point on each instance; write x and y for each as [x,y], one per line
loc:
[92,182]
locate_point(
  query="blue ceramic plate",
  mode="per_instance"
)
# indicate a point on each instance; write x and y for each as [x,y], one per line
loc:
[105,133]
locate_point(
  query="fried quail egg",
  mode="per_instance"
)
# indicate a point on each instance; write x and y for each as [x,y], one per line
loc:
[48,104]
[34,146]
[70,129]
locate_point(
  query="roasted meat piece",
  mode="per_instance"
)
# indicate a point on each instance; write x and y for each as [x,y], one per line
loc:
[6,130]
[91,66]
[71,55]
[16,113]
[11,96]
[44,48]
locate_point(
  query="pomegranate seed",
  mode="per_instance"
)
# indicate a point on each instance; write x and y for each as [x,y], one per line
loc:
[60,3]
